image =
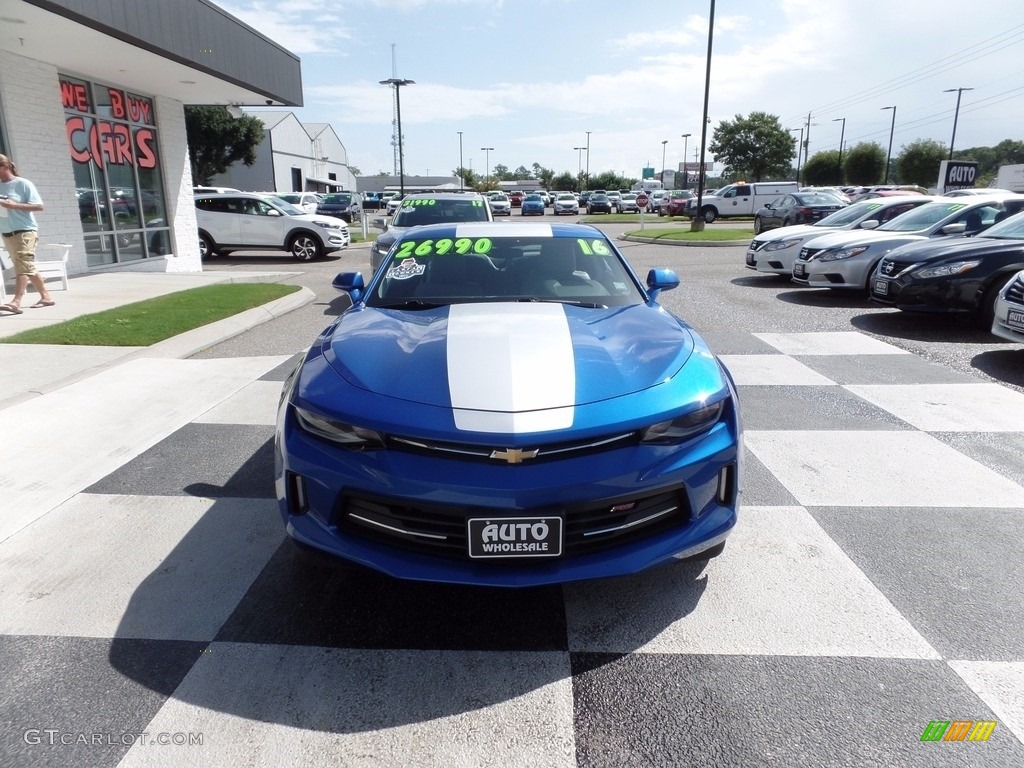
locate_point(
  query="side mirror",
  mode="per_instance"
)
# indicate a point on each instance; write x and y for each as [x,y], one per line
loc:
[869,224]
[351,283]
[957,228]
[274,212]
[659,280]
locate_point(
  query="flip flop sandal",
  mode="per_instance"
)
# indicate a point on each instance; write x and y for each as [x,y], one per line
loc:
[9,308]
[41,303]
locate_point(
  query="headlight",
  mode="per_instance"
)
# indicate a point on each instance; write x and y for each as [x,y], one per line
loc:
[781,245]
[680,428]
[346,435]
[327,224]
[947,270]
[843,253]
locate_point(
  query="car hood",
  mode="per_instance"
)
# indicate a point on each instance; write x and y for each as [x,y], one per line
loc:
[952,248]
[848,239]
[313,218]
[510,357]
[784,233]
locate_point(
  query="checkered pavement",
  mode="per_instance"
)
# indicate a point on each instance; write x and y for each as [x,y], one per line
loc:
[873,585]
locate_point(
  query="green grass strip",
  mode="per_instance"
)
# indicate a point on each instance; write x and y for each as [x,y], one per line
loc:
[707,235]
[147,322]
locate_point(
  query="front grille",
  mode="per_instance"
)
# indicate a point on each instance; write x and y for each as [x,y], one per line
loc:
[757,245]
[1015,293]
[807,254]
[512,455]
[440,530]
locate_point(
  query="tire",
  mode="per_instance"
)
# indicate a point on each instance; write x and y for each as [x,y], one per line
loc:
[206,247]
[786,222]
[758,225]
[709,215]
[306,247]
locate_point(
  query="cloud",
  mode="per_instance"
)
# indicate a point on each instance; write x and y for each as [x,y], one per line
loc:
[300,26]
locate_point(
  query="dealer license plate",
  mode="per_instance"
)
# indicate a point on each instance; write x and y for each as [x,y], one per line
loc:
[1015,319]
[882,287]
[507,537]
[799,270]
[751,261]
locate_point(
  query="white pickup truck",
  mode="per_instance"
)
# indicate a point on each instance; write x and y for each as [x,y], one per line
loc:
[740,199]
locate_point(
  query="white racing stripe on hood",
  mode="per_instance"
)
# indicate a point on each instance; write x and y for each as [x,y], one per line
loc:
[510,367]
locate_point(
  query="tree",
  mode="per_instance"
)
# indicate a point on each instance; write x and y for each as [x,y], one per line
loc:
[522,172]
[754,148]
[500,172]
[567,181]
[864,165]
[354,171]
[216,140]
[822,169]
[544,175]
[920,160]
[470,178]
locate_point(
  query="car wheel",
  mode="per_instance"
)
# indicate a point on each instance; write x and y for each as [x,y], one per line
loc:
[710,214]
[206,247]
[305,247]
[786,222]
[758,225]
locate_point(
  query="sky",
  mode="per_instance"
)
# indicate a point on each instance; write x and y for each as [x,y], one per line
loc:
[531,78]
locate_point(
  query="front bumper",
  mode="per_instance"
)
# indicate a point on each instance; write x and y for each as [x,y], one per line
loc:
[386,509]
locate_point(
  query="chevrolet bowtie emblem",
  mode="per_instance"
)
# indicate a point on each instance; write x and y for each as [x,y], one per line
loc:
[515,455]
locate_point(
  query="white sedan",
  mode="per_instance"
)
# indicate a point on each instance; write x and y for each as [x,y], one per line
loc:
[1008,322]
[567,202]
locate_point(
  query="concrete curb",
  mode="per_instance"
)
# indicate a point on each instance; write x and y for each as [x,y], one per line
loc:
[184,344]
[686,243]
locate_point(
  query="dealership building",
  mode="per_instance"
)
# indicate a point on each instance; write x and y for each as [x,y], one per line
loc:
[92,98]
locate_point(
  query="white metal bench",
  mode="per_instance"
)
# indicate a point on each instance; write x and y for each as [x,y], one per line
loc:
[51,261]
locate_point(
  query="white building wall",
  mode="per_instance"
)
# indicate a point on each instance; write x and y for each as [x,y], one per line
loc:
[34,127]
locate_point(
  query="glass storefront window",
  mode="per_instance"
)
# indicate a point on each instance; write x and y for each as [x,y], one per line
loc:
[114,149]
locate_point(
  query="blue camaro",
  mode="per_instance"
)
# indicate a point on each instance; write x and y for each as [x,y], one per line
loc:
[508,405]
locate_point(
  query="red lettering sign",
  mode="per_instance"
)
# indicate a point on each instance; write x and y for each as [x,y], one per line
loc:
[117,103]
[145,149]
[74,96]
[106,143]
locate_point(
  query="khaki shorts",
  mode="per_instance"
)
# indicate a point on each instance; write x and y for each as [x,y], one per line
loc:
[22,247]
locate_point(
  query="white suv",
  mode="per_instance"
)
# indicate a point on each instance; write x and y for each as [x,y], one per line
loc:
[247,222]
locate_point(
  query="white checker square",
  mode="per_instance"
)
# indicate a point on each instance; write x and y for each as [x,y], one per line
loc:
[122,566]
[255,403]
[829,343]
[771,370]
[296,705]
[1000,684]
[782,587]
[878,469]
[981,407]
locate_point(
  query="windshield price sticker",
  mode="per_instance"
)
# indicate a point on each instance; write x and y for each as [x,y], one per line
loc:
[590,247]
[515,537]
[422,201]
[444,245]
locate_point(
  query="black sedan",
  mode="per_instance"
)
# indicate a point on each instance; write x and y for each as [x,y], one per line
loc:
[599,203]
[796,208]
[342,205]
[957,275]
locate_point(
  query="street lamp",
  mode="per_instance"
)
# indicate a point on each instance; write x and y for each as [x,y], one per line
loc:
[579,163]
[487,164]
[663,161]
[842,134]
[462,172]
[398,83]
[892,127]
[956,114]
[686,173]
[799,149]
[587,182]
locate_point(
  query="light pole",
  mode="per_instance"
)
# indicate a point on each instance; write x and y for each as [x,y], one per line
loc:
[842,135]
[799,149]
[956,114]
[579,164]
[586,183]
[663,143]
[462,171]
[686,173]
[888,155]
[487,164]
[398,82]
[697,225]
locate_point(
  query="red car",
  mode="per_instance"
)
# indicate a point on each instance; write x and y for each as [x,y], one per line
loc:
[516,198]
[674,202]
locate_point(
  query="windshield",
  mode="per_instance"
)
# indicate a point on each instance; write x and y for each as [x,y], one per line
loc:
[425,270]
[338,199]
[284,206]
[418,211]
[1007,229]
[849,214]
[924,217]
